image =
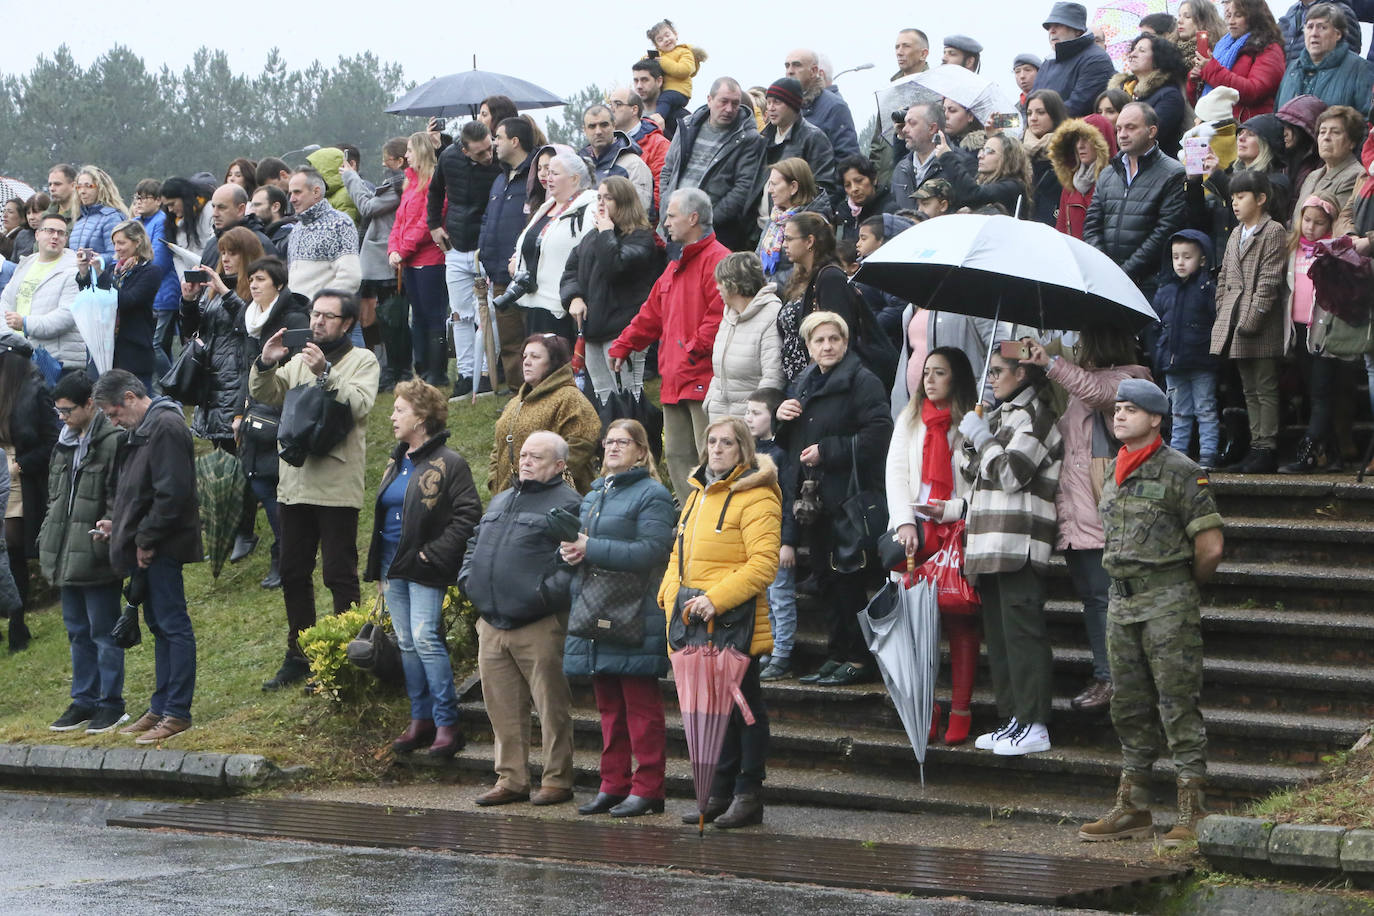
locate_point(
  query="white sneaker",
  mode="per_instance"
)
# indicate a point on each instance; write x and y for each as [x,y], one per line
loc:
[1028,739]
[988,741]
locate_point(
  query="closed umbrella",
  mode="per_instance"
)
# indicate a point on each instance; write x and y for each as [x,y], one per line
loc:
[219,483]
[902,628]
[462,94]
[707,680]
[94,312]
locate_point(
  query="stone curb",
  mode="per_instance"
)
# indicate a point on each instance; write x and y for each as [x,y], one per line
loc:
[1251,846]
[158,769]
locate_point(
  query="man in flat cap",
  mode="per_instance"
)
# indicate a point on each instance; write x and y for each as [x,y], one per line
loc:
[963,51]
[1163,537]
[1078,69]
[1024,70]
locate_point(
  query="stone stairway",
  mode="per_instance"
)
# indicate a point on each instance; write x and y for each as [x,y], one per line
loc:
[1288,625]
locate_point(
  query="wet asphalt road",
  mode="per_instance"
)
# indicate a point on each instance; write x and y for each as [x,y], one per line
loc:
[56,856]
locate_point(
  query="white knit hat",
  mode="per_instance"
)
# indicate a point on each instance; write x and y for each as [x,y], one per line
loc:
[1218,104]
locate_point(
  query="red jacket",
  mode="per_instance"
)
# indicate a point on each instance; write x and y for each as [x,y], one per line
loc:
[653,150]
[682,313]
[1073,209]
[410,233]
[1255,76]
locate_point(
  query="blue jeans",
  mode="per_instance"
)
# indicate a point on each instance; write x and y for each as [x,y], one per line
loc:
[415,611]
[89,612]
[460,270]
[1193,395]
[782,612]
[174,652]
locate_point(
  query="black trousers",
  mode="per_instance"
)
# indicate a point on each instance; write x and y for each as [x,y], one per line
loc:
[333,532]
[844,595]
[739,771]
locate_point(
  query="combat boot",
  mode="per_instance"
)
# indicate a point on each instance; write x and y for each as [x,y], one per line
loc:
[1129,818]
[1190,811]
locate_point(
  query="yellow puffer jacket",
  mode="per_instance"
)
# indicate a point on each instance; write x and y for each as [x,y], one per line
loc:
[326,161]
[679,66]
[731,531]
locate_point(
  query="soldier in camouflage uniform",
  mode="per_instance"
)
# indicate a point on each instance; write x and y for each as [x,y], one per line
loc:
[1163,537]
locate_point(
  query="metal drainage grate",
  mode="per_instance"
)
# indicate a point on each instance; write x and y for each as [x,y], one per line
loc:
[919,870]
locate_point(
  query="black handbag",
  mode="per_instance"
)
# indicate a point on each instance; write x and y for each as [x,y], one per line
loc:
[624,404]
[733,629]
[258,441]
[861,519]
[609,606]
[189,376]
[313,422]
[374,649]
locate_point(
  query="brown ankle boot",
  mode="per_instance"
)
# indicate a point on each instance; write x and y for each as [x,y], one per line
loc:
[1190,811]
[419,733]
[1129,818]
[744,811]
[448,740]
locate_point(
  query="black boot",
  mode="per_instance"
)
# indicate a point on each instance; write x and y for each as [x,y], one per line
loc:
[1305,462]
[19,636]
[1259,461]
[436,361]
[292,670]
[744,811]
[273,577]
[1236,422]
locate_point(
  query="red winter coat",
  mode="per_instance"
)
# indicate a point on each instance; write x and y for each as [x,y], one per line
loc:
[653,148]
[1255,76]
[410,232]
[682,312]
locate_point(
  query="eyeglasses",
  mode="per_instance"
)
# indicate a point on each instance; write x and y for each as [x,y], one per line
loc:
[146,197]
[48,230]
[64,411]
[617,443]
[995,371]
[326,315]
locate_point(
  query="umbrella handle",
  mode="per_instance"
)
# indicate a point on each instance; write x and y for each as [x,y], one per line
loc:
[978,410]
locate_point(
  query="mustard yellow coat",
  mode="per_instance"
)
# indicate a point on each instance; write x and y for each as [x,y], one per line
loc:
[731,531]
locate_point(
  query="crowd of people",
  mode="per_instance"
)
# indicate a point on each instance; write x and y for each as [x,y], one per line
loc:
[715,246]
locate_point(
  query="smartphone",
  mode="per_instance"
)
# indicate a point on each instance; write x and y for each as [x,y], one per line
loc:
[296,339]
[196,276]
[1015,349]
[1204,45]
[1005,120]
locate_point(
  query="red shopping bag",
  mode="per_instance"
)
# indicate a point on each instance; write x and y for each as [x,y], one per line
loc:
[946,569]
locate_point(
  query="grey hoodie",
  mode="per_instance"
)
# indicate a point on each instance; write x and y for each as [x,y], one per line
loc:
[377,206]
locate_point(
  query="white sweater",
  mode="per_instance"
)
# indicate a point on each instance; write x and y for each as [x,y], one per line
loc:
[904,484]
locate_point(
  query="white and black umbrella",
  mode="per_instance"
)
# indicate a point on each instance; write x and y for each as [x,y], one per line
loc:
[13,187]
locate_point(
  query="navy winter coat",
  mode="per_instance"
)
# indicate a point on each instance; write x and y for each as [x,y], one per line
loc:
[629,520]
[503,221]
[829,111]
[1187,309]
[1078,70]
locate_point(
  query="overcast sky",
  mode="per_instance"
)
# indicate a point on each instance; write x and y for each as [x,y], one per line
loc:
[748,41]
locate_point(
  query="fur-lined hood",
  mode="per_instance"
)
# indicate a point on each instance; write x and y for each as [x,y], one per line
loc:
[1142,88]
[1063,148]
[763,473]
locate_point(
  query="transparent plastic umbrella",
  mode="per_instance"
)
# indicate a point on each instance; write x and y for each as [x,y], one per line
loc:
[94,311]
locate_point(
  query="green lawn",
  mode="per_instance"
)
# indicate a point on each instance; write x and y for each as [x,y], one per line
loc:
[240,632]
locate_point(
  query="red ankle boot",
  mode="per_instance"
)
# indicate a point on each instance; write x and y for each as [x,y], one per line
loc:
[419,733]
[957,730]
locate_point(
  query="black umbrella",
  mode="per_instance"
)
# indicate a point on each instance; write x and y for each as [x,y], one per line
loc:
[462,94]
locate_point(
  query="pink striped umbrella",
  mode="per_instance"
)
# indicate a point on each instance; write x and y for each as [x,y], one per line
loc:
[708,680]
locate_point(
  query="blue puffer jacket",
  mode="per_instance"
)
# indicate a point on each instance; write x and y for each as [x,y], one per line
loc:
[629,521]
[169,291]
[1187,309]
[92,230]
[1342,78]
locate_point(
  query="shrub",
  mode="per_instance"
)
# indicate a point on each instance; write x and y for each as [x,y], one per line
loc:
[326,647]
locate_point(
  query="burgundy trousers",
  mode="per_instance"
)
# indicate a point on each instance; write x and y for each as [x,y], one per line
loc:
[631,724]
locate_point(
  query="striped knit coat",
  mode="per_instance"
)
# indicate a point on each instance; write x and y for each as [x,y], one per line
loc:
[1011,515]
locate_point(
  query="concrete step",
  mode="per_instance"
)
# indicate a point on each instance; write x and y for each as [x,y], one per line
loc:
[1318,541]
[884,760]
[1294,496]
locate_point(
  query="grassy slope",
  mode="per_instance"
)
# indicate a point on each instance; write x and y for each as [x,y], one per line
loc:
[240,632]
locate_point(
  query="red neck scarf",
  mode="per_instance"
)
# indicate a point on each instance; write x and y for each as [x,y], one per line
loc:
[1127,461]
[937,467]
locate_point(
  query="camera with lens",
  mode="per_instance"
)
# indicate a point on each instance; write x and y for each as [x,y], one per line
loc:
[520,285]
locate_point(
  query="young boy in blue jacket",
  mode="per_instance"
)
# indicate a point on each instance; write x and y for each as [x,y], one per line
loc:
[1186,305]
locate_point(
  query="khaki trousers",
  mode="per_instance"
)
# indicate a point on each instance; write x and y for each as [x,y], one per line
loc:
[520,667]
[684,436]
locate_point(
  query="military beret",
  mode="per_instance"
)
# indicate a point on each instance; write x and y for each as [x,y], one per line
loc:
[1144,394]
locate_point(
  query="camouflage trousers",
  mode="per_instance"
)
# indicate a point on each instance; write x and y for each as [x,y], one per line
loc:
[1157,681]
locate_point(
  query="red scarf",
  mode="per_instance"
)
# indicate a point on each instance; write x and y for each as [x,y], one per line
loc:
[1127,461]
[936,462]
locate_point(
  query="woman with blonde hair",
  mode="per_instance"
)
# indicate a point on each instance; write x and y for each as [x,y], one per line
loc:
[627,534]
[731,559]
[136,278]
[607,278]
[411,248]
[102,208]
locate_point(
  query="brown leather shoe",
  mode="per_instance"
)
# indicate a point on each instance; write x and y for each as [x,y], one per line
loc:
[142,724]
[1097,695]
[165,729]
[500,795]
[550,795]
